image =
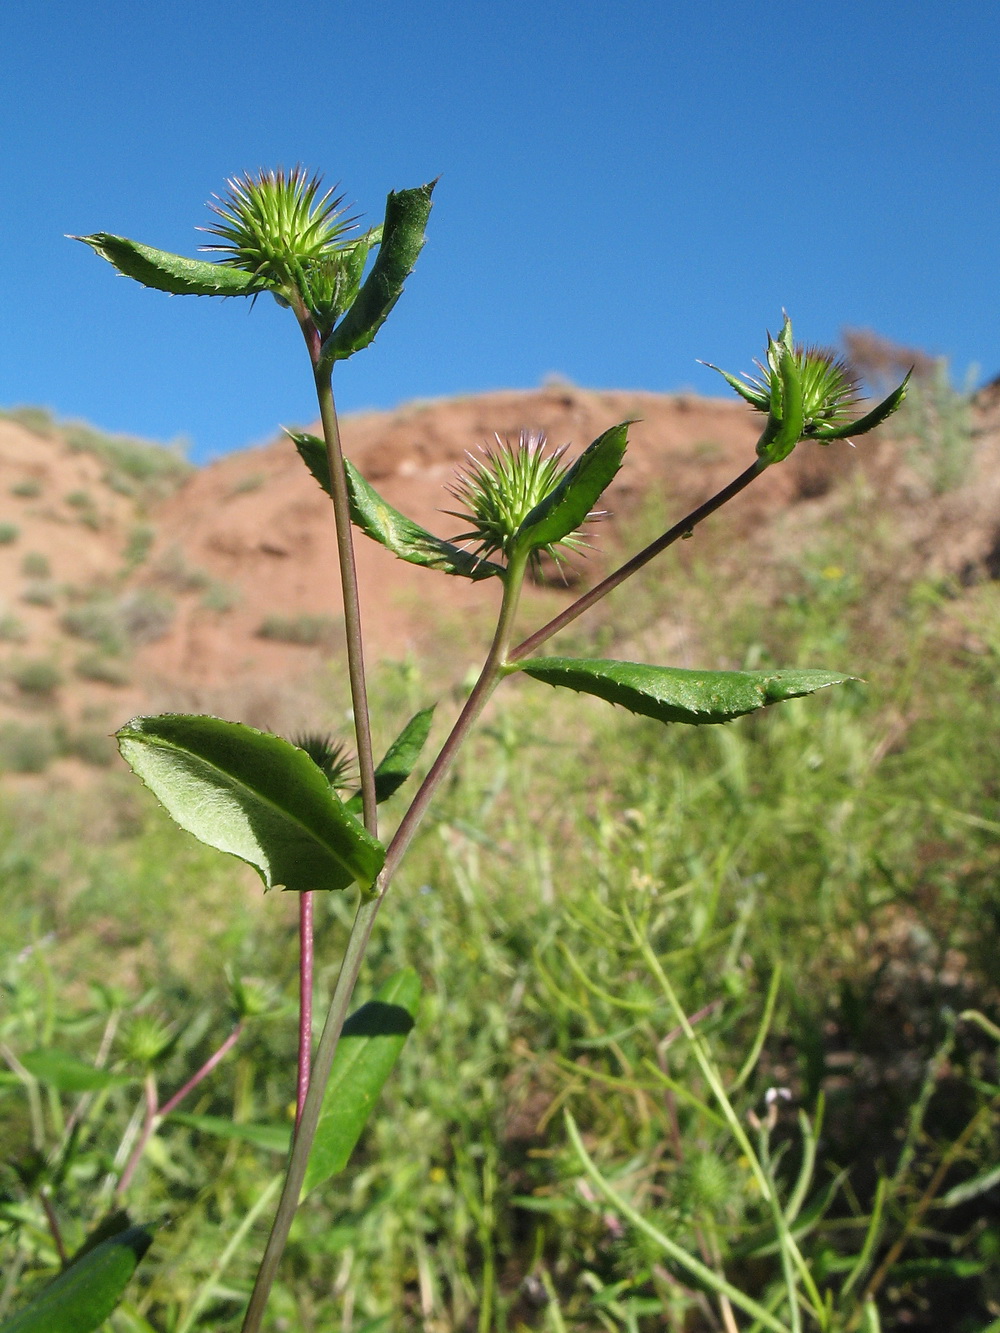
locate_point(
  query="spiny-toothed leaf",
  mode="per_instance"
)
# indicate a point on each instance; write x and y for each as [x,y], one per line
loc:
[671,694]
[753,396]
[60,1070]
[369,1046]
[253,795]
[273,1138]
[399,759]
[171,273]
[406,214]
[82,1297]
[566,508]
[377,519]
[870,420]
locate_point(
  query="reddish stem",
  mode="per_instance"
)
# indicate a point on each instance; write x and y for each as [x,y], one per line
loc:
[53,1221]
[156,1113]
[203,1072]
[305,1000]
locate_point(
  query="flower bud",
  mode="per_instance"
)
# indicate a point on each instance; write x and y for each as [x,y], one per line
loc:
[807,393]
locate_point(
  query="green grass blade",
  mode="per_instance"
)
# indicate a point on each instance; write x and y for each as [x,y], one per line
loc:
[274,1138]
[714,1281]
[65,1072]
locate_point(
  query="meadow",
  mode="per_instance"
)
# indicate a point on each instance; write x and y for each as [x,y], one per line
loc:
[818,882]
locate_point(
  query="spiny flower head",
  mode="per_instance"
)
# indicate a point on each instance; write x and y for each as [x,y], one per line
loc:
[147,1039]
[252,998]
[500,488]
[830,392]
[807,393]
[330,756]
[280,227]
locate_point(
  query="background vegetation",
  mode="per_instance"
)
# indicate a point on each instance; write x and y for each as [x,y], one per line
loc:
[819,882]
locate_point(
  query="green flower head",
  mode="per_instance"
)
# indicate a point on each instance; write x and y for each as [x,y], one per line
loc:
[807,393]
[294,239]
[501,487]
[330,756]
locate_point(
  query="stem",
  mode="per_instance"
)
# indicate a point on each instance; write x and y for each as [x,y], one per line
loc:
[207,1288]
[490,676]
[53,1221]
[349,587]
[156,1114]
[203,1072]
[305,999]
[152,1096]
[682,529]
[714,1281]
[923,1204]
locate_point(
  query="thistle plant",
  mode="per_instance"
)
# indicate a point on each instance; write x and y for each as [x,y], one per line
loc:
[283,806]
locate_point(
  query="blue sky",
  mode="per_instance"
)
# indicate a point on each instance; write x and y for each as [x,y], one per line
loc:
[625,187]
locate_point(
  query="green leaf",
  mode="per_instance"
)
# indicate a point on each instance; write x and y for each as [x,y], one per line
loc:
[65,1072]
[253,795]
[369,1046]
[406,214]
[171,273]
[399,759]
[671,694]
[387,526]
[275,1138]
[787,419]
[869,421]
[84,1294]
[563,511]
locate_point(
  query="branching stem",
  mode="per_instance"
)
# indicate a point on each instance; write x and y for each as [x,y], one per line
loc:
[682,529]
[490,676]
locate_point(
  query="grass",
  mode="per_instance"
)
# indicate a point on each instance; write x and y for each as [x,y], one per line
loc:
[114,624]
[36,676]
[133,467]
[12,630]
[106,670]
[35,565]
[831,863]
[304,630]
[28,489]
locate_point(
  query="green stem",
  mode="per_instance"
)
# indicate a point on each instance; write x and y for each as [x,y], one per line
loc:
[711,1076]
[494,669]
[714,1281]
[492,673]
[352,603]
[682,529]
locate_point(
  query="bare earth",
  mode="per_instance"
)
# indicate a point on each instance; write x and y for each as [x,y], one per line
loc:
[250,537]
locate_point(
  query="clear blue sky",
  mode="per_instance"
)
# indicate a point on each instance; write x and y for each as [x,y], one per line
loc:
[625,187]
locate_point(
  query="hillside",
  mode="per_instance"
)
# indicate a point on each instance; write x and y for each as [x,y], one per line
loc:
[131,581]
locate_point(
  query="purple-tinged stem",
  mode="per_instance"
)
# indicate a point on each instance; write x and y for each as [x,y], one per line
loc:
[155,1113]
[203,1072]
[53,1221]
[152,1100]
[305,1000]
[682,529]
